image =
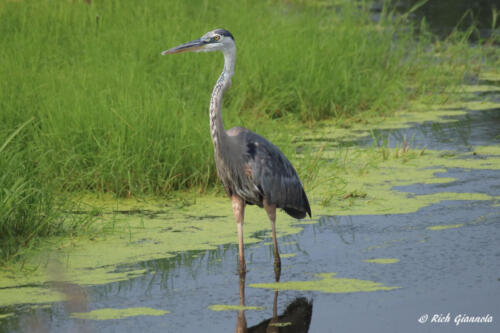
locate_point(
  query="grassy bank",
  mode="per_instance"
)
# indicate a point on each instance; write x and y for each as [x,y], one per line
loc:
[111,115]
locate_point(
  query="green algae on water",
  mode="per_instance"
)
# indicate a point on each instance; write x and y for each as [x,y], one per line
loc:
[225,307]
[377,182]
[445,226]
[202,226]
[287,255]
[6,315]
[416,113]
[382,260]
[110,313]
[477,88]
[31,295]
[489,76]
[327,283]
[487,150]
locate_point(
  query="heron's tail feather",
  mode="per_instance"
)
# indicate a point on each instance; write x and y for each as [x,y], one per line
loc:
[299,212]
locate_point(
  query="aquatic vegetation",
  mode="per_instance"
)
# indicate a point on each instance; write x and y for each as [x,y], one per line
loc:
[382,260]
[445,226]
[6,315]
[224,307]
[367,171]
[490,76]
[417,112]
[487,150]
[480,88]
[32,295]
[170,231]
[109,313]
[327,283]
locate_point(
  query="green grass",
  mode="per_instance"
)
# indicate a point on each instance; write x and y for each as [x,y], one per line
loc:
[111,115]
[29,208]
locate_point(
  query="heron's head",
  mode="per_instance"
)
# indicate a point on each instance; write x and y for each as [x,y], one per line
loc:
[215,40]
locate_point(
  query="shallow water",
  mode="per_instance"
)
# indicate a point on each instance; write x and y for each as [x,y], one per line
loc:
[480,128]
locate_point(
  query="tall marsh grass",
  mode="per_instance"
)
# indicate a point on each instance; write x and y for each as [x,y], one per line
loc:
[112,115]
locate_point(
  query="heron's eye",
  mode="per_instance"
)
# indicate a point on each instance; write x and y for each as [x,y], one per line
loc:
[216,38]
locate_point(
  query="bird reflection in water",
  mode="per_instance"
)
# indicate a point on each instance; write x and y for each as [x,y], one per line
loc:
[295,319]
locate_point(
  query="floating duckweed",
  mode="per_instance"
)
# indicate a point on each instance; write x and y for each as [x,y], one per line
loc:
[90,262]
[30,295]
[445,226]
[327,284]
[382,260]
[489,76]
[110,313]
[478,88]
[6,315]
[487,150]
[417,113]
[483,105]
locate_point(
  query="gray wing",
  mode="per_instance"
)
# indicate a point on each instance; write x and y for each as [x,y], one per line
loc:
[269,174]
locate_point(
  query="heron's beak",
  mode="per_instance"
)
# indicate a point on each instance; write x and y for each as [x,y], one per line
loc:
[193,45]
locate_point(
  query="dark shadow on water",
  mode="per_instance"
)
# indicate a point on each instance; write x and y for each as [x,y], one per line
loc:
[295,319]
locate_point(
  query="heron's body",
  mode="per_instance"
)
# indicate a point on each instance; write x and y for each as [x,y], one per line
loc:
[255,169]
[252,169]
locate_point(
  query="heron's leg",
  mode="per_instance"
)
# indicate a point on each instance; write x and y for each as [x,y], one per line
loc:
[271,212]
[241,322]
[275,300]
[239,213]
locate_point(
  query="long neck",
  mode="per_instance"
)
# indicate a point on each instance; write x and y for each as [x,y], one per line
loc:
[217,131]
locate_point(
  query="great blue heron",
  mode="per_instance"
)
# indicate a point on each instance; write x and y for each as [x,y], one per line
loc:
[252,169]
